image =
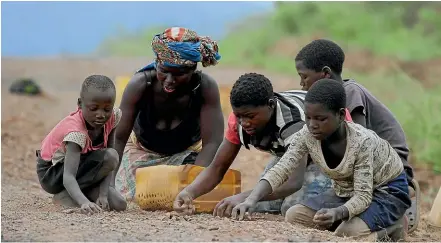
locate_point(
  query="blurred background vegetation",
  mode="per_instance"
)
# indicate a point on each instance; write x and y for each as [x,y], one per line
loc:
[393,48]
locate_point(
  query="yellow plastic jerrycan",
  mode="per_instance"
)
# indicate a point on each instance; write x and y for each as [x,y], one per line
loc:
[121,83]
[158,186]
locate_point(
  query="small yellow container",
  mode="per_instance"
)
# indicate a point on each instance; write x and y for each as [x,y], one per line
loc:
[158,186]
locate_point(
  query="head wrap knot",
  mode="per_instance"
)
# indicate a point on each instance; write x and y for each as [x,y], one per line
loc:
[177,47]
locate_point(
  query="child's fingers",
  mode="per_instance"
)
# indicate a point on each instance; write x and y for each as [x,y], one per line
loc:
[324,222]
[321,211]
[183,206]
[104,206]
[96,208]
[219,210]
[234,212]
[185,209]
[323,217]
[178,206]
[188,201]
[219,204]
[241,213]
[228,210]
[243,210]
[319,214]
[87,210]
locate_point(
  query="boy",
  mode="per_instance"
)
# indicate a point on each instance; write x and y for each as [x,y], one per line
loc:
[324,59]
[74,162]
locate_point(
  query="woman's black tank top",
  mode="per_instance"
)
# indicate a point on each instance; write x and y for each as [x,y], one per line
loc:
[173,141]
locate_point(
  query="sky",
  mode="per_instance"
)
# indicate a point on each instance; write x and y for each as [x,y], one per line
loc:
[31,29]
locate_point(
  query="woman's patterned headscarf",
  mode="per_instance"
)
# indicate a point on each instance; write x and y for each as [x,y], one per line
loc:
[177,47]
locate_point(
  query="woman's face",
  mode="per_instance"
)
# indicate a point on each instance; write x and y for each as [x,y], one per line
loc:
[174,78]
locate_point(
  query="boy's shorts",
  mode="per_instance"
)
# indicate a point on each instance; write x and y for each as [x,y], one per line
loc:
[389,203]
[51,176]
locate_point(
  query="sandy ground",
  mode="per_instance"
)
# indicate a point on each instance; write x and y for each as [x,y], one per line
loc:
[28,215]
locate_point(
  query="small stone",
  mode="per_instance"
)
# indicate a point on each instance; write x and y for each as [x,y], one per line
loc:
[213,228]
[69,211]
[294,239]
[313,238]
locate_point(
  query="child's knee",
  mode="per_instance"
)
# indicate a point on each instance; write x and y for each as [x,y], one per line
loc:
[111,158]
[354,227]
[52,188]
[299,214]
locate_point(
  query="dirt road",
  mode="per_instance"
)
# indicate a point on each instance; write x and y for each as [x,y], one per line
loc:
[27,212]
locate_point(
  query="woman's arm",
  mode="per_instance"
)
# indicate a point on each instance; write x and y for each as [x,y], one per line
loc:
[212,121]
[129,108]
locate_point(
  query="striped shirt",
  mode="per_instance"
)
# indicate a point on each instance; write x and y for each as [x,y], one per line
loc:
[289,118]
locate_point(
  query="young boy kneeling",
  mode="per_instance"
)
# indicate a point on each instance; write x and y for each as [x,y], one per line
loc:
[74,162]
[369,186]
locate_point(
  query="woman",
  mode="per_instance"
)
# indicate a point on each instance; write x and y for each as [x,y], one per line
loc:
[172,109]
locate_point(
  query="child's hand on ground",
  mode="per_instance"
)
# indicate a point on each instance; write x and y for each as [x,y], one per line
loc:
[244,207]
[103,202]
[326,216]
[183,203]
[226,206]
[90,208]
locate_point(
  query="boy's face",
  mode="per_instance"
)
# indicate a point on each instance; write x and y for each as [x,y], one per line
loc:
[253,119]
[322,122]
[97,106]
[172,78]
[307,76]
